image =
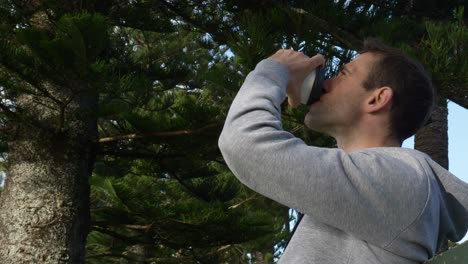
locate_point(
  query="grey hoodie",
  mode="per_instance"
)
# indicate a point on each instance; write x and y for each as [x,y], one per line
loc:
[376,205]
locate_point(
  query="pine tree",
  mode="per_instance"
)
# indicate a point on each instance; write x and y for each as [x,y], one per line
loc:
[48,110]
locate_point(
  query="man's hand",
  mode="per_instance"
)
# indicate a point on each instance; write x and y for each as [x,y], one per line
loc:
[299,66]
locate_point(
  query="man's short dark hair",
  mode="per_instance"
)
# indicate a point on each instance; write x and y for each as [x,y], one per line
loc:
[413,92]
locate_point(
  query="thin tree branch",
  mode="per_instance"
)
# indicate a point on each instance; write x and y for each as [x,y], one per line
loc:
[7,111]
[454,89]
[160,134]
[189,188]
[133,240]
[210,28]
[114,255]
[139,227]
[460,100]
[6,128]
[140,155]
[31,82]
[342,35]
[241,203]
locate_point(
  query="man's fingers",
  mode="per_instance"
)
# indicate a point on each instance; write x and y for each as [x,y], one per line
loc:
[293,102]
[299,66]
[317,60]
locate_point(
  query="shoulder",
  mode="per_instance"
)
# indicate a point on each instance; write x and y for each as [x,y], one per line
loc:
[394,182]
[397,159]
[400,169]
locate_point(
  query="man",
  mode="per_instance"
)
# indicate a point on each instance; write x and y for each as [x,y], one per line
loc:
[369,200]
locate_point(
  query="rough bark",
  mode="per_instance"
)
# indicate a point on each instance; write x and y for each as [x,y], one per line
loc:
[45,201]
[259,259]
[432,139]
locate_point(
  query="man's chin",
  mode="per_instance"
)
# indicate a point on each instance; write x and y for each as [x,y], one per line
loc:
[311,121]
[314,122]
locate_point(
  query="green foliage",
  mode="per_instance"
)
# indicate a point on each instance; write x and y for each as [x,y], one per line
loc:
[174,214]
[452,244]
[77,41]
[446,50]
[397,30]
[257,37]
[456,255]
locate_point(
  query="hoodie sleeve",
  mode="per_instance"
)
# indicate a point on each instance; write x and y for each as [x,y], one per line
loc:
[365,195]
[454,209]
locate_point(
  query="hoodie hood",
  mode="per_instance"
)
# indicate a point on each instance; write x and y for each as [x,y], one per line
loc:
[454,208]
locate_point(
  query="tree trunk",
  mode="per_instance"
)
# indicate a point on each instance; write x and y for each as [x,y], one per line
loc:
[259,259]
[433,138]
[45,202]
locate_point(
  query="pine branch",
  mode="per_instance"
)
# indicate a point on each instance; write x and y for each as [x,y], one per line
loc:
[140,155]
[33,83]
[114,255]
[7,111]
[139,227]
[157,238]
[461,100]
[157,259]
[241,203]
[190,189]
[210,28]
[455,90]
[160,134]
[342,35]
[133,240]
[6,128]
[219,161]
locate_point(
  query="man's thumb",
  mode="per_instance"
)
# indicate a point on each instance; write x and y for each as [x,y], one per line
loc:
[316,61]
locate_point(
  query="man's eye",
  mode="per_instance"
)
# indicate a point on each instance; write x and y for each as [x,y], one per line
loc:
[341,70]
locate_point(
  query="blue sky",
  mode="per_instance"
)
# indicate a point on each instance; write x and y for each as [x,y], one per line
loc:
[458,143]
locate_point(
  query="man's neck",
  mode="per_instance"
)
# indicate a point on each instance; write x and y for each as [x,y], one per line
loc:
[362,140]
[359,146]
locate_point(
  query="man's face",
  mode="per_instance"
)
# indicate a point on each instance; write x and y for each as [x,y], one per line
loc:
[341,107]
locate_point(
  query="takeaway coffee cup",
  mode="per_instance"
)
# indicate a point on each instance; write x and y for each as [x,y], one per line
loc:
[312,87]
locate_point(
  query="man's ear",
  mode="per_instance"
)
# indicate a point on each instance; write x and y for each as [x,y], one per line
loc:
[379,99]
